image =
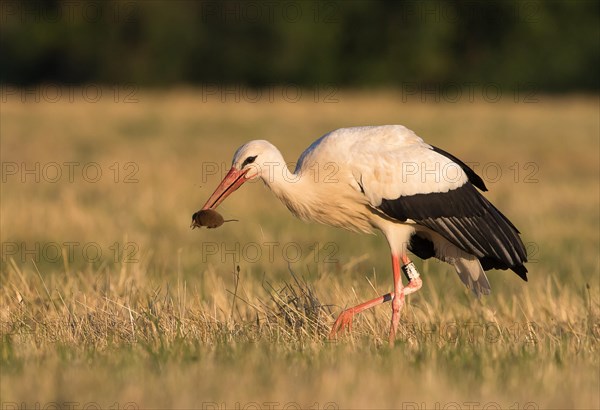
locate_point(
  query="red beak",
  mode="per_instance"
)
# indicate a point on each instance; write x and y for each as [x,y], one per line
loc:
[232,181]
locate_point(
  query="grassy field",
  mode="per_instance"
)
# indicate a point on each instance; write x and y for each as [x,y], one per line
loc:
[108,299]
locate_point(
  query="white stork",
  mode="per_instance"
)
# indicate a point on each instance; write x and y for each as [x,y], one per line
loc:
[422,198]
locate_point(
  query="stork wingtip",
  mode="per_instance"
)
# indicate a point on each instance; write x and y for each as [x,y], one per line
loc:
[521,270]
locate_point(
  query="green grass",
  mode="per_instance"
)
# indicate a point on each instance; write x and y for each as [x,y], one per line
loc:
[158,321]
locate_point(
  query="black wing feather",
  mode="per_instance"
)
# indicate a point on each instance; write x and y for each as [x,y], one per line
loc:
[473,177]
[469,221]
[420,246]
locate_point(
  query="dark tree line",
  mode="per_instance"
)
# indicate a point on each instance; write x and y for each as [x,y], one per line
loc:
[550,45]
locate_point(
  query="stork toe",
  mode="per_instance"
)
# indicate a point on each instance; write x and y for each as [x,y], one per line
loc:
[344,320]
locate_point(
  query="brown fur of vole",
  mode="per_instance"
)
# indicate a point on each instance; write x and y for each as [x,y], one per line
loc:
[209,218]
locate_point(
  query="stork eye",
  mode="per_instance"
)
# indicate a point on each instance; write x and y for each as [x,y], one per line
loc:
[248,160]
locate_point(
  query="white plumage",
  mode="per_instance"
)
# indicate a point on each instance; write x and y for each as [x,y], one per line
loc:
[422,198]
[388,161]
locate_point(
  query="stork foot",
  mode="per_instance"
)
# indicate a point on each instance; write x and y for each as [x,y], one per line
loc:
[344,321]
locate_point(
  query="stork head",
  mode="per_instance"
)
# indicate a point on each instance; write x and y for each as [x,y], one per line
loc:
[252,160]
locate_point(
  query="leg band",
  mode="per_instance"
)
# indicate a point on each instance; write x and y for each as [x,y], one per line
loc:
[410,271]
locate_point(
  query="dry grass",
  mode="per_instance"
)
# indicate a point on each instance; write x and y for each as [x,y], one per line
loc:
[179,328]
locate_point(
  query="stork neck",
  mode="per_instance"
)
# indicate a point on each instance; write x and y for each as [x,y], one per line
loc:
[279,178]
[289,187]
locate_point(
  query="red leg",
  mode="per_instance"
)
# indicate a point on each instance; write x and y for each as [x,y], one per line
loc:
[398,300]
[414,279]
[344,320]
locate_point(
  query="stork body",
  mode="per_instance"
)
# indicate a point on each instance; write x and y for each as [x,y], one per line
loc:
[386,178]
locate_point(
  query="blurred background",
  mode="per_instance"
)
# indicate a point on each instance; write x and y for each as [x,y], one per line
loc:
[550,45]
[118,119]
